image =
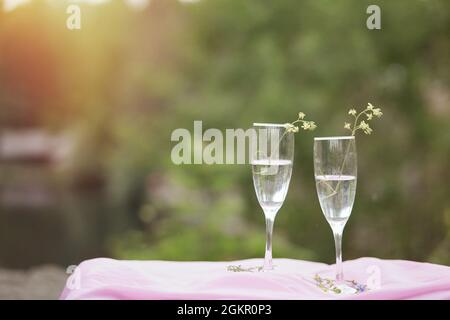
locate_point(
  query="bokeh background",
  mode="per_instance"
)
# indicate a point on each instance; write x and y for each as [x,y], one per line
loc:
[86,118]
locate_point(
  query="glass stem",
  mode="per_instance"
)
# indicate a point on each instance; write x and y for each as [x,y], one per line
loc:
[268,256]
[338,244]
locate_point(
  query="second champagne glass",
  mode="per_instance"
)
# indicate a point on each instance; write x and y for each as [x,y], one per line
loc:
[272,158]
[335,169]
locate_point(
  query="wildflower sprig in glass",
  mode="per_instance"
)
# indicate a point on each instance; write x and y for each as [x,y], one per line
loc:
[370,112]
[304,124]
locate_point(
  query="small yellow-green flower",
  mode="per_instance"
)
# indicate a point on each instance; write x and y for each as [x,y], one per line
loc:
[348,126]
[369,116]
[301,115]
[365,127]
[377,112]
[370,106]
[290,127]
[352,112]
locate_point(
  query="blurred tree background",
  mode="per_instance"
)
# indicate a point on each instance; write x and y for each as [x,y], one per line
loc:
[101,103]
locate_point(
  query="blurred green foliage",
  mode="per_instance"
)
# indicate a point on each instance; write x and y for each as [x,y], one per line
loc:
[135,77]
[247,61]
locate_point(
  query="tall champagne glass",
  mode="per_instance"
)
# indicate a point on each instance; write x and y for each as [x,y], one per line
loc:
[272,158]
[335,170]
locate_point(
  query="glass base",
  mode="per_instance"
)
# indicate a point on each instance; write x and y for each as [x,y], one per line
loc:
[267,268]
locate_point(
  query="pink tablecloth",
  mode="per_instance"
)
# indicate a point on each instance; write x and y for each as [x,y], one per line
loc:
[291,279]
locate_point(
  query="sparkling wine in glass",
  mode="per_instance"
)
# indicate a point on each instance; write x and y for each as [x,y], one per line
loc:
[335,169]
[272,158]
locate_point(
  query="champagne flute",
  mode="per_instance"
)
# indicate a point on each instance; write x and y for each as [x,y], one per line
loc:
[272,158]
[335,170]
